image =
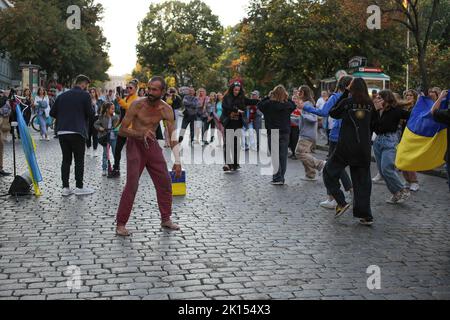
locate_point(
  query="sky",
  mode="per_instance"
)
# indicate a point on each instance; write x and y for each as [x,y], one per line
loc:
[121,19]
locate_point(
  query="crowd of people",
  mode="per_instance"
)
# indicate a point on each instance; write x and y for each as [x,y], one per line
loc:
[353,122]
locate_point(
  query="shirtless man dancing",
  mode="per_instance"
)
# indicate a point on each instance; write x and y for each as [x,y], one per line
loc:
[143,151]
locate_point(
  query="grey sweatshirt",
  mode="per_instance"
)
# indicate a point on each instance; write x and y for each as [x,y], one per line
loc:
[308,125]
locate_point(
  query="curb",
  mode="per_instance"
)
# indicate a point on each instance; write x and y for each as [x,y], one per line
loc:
[440,173]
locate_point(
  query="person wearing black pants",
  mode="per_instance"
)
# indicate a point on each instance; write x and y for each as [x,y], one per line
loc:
[354,149]
[293,140]
[72,144]
[73,110]
[191,106]
[277,110]
[234,107]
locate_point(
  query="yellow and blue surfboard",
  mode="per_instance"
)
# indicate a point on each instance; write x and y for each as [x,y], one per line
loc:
[424,143]
[178,185]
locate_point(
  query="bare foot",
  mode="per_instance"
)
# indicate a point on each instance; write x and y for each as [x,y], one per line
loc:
[170,225]
[121,231]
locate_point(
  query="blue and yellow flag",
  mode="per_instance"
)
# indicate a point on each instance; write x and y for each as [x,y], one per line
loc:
[29,149]
[424,141]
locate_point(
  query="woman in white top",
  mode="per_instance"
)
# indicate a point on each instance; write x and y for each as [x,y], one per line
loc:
[42,107]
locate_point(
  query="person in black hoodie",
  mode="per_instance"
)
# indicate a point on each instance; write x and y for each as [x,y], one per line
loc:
[234,106]
[443,116]
[359,117]
[277,109]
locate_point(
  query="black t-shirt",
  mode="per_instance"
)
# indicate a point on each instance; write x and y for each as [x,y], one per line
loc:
[355,139]
[389,121]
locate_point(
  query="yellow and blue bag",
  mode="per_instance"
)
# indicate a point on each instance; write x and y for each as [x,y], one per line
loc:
[178,185]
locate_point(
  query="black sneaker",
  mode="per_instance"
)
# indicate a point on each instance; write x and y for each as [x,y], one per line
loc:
[114,174]
[3,173]
[237,168]
[340,210]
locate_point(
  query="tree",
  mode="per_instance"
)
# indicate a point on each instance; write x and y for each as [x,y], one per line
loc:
[302,41]
[179,39]
[419,17]
[41,36]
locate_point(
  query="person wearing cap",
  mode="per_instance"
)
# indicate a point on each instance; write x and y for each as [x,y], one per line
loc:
[73,113]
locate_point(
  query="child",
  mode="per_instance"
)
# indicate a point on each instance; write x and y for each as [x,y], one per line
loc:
[106,125]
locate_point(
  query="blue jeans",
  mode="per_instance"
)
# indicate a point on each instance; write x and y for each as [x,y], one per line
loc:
[112,143]
[385,149]
[42,124]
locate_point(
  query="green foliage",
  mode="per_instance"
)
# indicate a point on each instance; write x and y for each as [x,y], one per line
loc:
[180,39]
[35,31]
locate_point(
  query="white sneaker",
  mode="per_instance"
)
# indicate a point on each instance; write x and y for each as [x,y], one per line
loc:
[84,192]
[47,139]
[378,179]
[94,153]
[105,173]
[67,192]
[414,187]
[329,204]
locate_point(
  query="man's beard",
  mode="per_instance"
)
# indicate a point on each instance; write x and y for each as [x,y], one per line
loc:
[152,98]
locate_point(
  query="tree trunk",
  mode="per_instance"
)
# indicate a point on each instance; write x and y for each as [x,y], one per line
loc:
[423,70]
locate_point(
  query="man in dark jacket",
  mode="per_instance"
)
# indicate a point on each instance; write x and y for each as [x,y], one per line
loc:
[73,113]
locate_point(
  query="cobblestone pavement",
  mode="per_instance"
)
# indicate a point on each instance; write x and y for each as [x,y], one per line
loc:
[241,238]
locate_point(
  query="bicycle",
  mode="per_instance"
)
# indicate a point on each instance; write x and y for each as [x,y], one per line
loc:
[36,125]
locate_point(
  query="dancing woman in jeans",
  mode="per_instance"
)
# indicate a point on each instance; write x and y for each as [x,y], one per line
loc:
[385,145]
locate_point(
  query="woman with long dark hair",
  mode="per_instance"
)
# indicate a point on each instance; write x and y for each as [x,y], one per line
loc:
[234,105]
[385,145]
[353,149]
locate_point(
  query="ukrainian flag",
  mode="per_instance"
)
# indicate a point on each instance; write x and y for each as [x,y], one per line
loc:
[178,185]
[424,142]
[29,149]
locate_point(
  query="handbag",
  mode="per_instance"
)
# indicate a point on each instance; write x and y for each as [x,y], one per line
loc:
[104,139]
